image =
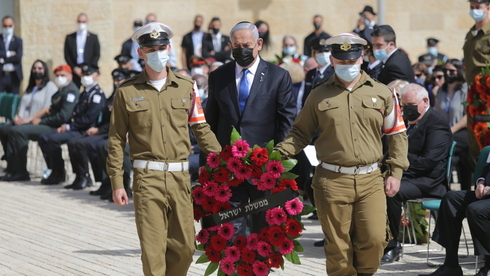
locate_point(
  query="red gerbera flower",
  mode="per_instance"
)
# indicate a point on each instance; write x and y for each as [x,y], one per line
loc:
[233,164]
[289,183]
[235,182]
[220,206]
[240,148]
[225,154]
[275,260]
[222,175]
[213,160]
[208,204]
[232,253]
[227,230]
[243,172]
[248,255]
[267,182]
[252,241]
[210,188]
[227,266]
[213,256]
[294,206]
[245,269]
[259,156]
[293,228]
[286,246]
[203,236]
[263,248]
[275,235]
[263,234]
[223,193]
[275,216]
[260,268]
[218,243]
[240,242]
[203,176]
[198,195]
[198,213]
[275,168]
[256,171]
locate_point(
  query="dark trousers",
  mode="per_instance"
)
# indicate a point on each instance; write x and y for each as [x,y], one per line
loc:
[455,206]
[84,149]
[50,144]
[4,131]
[408,190]
[9,82]
[462,160]
[243,194]
[127,166]
[18,143]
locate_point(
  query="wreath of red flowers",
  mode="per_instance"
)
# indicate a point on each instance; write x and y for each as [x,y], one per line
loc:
[256,254]
[478,104]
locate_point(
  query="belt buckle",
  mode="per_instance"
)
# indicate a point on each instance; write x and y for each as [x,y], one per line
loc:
[338,170]
[165,166]
[356,170]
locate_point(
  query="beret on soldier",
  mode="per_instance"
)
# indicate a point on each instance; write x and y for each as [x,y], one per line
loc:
[153,34]
[63,67]
[346,46]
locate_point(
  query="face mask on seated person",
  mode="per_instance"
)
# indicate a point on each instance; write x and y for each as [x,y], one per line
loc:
[61,81]
[87,81]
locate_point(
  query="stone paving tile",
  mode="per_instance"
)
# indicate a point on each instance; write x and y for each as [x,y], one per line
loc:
[47,230]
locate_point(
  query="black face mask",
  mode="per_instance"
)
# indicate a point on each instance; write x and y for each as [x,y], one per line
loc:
[215,30]
[38,75]
[197,27]
[450,78]
[410,112]
[243,56]
[262,34]
[317,26]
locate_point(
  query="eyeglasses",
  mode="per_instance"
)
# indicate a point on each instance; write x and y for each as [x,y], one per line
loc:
[418,75]
[37,68]
[439,77]
[452,71]
[8,26]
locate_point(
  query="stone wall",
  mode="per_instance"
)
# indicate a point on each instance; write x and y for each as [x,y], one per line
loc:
[43,24]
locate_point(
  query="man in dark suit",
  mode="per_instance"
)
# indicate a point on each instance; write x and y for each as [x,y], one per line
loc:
[192,42]
[455,206]
[317,33]
[396,64]
[130,48]
[366,19]
[10,57]
[81,47]
[255,97]
[215,44]
[429,139]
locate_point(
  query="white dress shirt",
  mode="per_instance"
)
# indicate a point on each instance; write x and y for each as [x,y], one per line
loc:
[81,39]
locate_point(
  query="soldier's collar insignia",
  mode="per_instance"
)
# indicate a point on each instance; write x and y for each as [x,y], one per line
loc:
[346,46]
[155,34]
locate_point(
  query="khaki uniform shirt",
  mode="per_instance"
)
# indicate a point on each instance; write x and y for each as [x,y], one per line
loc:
[476,51]
[349,125]
[156,123]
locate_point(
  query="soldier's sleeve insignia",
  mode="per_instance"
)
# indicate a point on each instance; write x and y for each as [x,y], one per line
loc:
[70,98]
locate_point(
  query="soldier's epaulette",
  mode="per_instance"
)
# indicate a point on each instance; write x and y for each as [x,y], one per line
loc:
[318,84]
[182,77]
[128,80]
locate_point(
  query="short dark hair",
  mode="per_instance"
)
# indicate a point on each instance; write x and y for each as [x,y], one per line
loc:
[8,17]
[386,32]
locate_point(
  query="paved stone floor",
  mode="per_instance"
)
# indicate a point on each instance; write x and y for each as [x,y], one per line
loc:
[47,230]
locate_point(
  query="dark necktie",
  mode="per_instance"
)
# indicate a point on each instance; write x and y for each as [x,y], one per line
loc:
[317,78]
[243,90]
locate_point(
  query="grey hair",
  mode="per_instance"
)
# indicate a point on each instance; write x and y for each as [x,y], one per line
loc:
[244,25]
[419,90]
[289,36]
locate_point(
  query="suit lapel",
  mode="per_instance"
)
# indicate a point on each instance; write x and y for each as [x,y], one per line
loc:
[233,92]
[259,78]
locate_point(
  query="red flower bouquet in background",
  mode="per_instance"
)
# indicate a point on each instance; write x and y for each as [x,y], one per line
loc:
[258,253]
[479,104]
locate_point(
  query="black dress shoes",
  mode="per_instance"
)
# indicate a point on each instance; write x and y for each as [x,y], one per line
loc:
[84,182]
[74,183]
[319,243]
[54,178]
[313,216]
[392,255]
[446,271]
[24,176]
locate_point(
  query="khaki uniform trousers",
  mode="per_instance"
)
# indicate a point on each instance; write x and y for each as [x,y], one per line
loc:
[352,212]
[164,220]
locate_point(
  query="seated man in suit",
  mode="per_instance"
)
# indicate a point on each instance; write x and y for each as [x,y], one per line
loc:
[429,139]
[396,64]
[215,44]
[85,115]
[455,206]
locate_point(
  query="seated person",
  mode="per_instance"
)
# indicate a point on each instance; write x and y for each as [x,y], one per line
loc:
[99,150]
[429,139]
[455,206]
[36,97]
[47,119]
[85,115]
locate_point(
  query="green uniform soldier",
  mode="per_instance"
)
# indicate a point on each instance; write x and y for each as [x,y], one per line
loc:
[155,109]
[350,111]
[476,52]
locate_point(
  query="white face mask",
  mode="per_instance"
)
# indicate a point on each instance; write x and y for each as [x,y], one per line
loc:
[87,81]
[202,94]
[82,26]
[157,60]
[323,58]
[347,72]
[61,81]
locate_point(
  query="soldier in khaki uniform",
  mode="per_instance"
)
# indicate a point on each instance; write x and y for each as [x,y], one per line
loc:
[476,51]
[155,109]
[350,111]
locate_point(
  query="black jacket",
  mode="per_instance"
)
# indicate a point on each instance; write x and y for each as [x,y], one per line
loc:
[207,47]
[91,52]
[397,67]
[88,108]
[62,104]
